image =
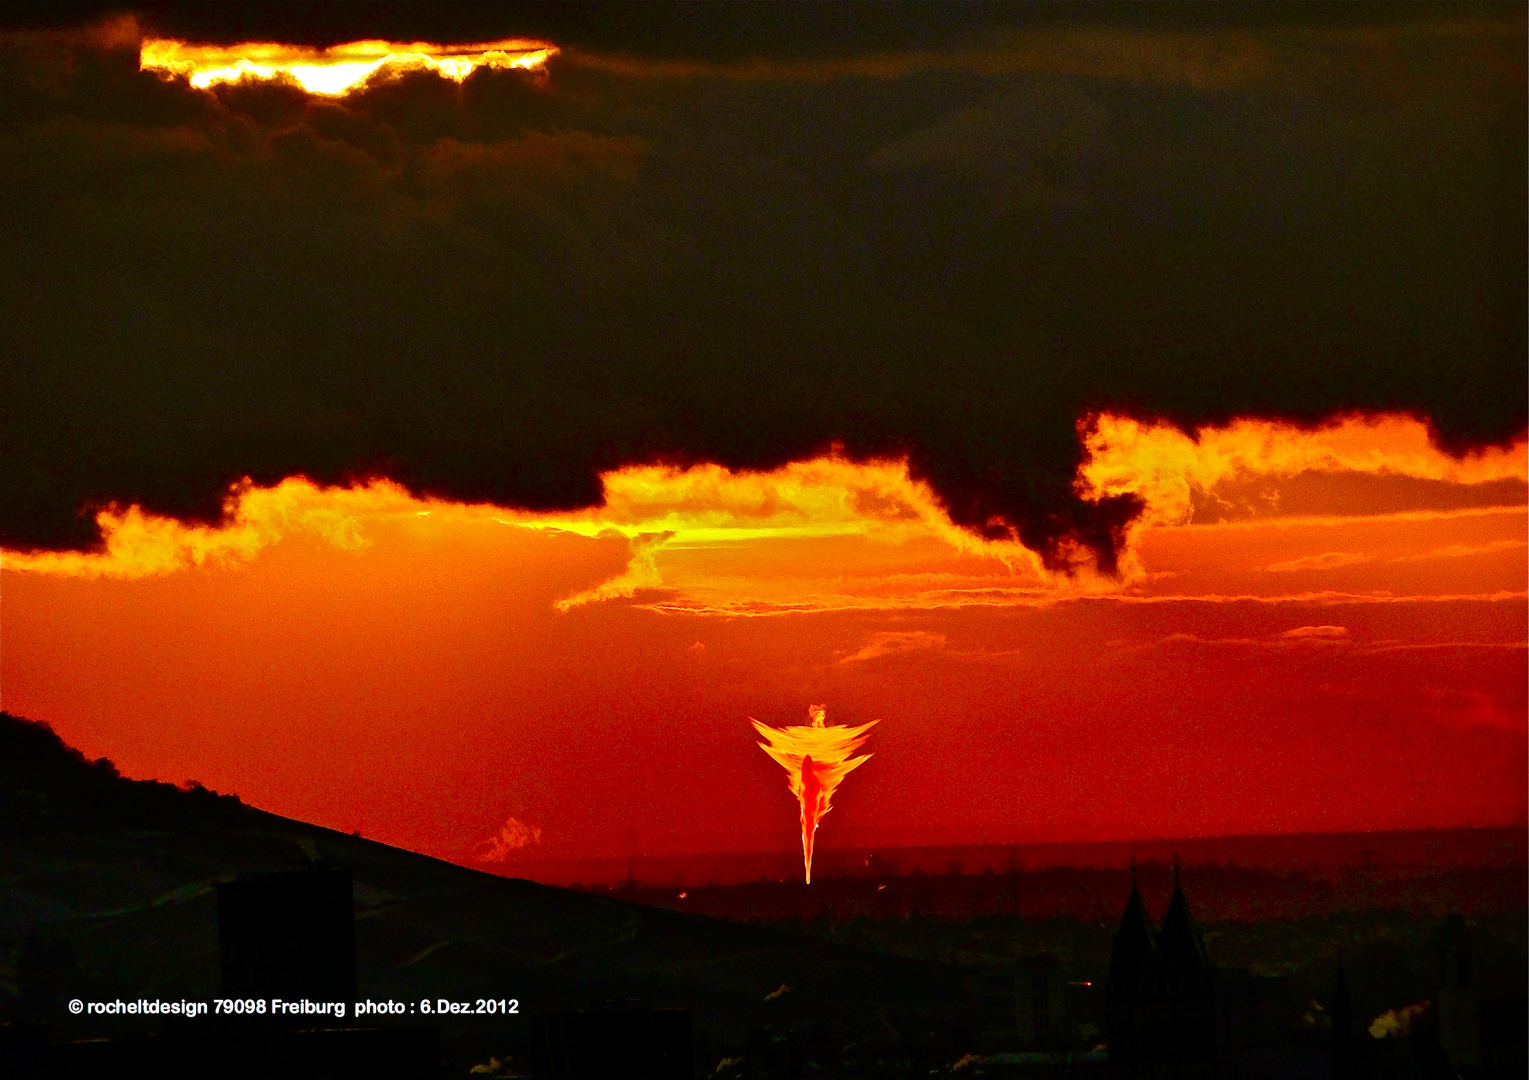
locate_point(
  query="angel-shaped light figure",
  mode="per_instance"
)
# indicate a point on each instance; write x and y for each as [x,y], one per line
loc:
[816,758]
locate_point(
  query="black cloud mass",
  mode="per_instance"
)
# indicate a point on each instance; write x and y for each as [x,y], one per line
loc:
[744,235]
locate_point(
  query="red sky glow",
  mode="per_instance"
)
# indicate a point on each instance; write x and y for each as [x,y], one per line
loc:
[1314,630]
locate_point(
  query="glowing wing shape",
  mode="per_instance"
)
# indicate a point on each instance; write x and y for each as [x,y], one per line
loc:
[816,758]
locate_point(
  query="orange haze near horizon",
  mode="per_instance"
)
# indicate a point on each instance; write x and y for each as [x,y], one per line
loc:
[1313,629]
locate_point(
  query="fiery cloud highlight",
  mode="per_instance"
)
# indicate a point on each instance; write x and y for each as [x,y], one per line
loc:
[892,642]
[335,71]
[704,506]
[511,837]
[1164,465]
[830,533]
[816,757]
[138,545]
[821,497]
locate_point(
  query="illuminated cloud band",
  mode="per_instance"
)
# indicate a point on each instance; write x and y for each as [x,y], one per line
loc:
[335,71]
[831,534]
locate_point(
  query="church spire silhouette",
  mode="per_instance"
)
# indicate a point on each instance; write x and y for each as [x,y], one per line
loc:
[1160,995]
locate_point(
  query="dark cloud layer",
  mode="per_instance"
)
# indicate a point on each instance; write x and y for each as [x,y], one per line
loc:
[950,242]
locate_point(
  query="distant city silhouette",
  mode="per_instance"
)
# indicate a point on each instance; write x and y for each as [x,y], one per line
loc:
[1171,1014]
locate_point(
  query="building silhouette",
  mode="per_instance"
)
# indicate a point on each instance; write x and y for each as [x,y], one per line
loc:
[1458,1003]
[611,1039]
[288,935]
[1160,1016]
[1343,1037]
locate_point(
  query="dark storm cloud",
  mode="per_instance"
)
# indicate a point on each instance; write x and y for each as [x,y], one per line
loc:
[950,239]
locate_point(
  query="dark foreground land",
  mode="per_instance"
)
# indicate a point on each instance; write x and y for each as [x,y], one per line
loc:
[109,891]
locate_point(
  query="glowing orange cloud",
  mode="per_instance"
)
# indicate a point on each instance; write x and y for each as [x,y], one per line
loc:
[335,71]
[826,499]
[835,534]
[143,545]
[704,506]
[511,837]
[1164,465]
[816,758]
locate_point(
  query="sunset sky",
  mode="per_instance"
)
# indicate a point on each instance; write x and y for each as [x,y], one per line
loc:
[1124,405]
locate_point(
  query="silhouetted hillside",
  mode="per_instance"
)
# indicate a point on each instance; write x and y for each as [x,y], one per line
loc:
[109,890]
[47,786]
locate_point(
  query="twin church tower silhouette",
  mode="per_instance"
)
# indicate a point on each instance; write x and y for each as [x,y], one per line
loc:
[1160,996]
